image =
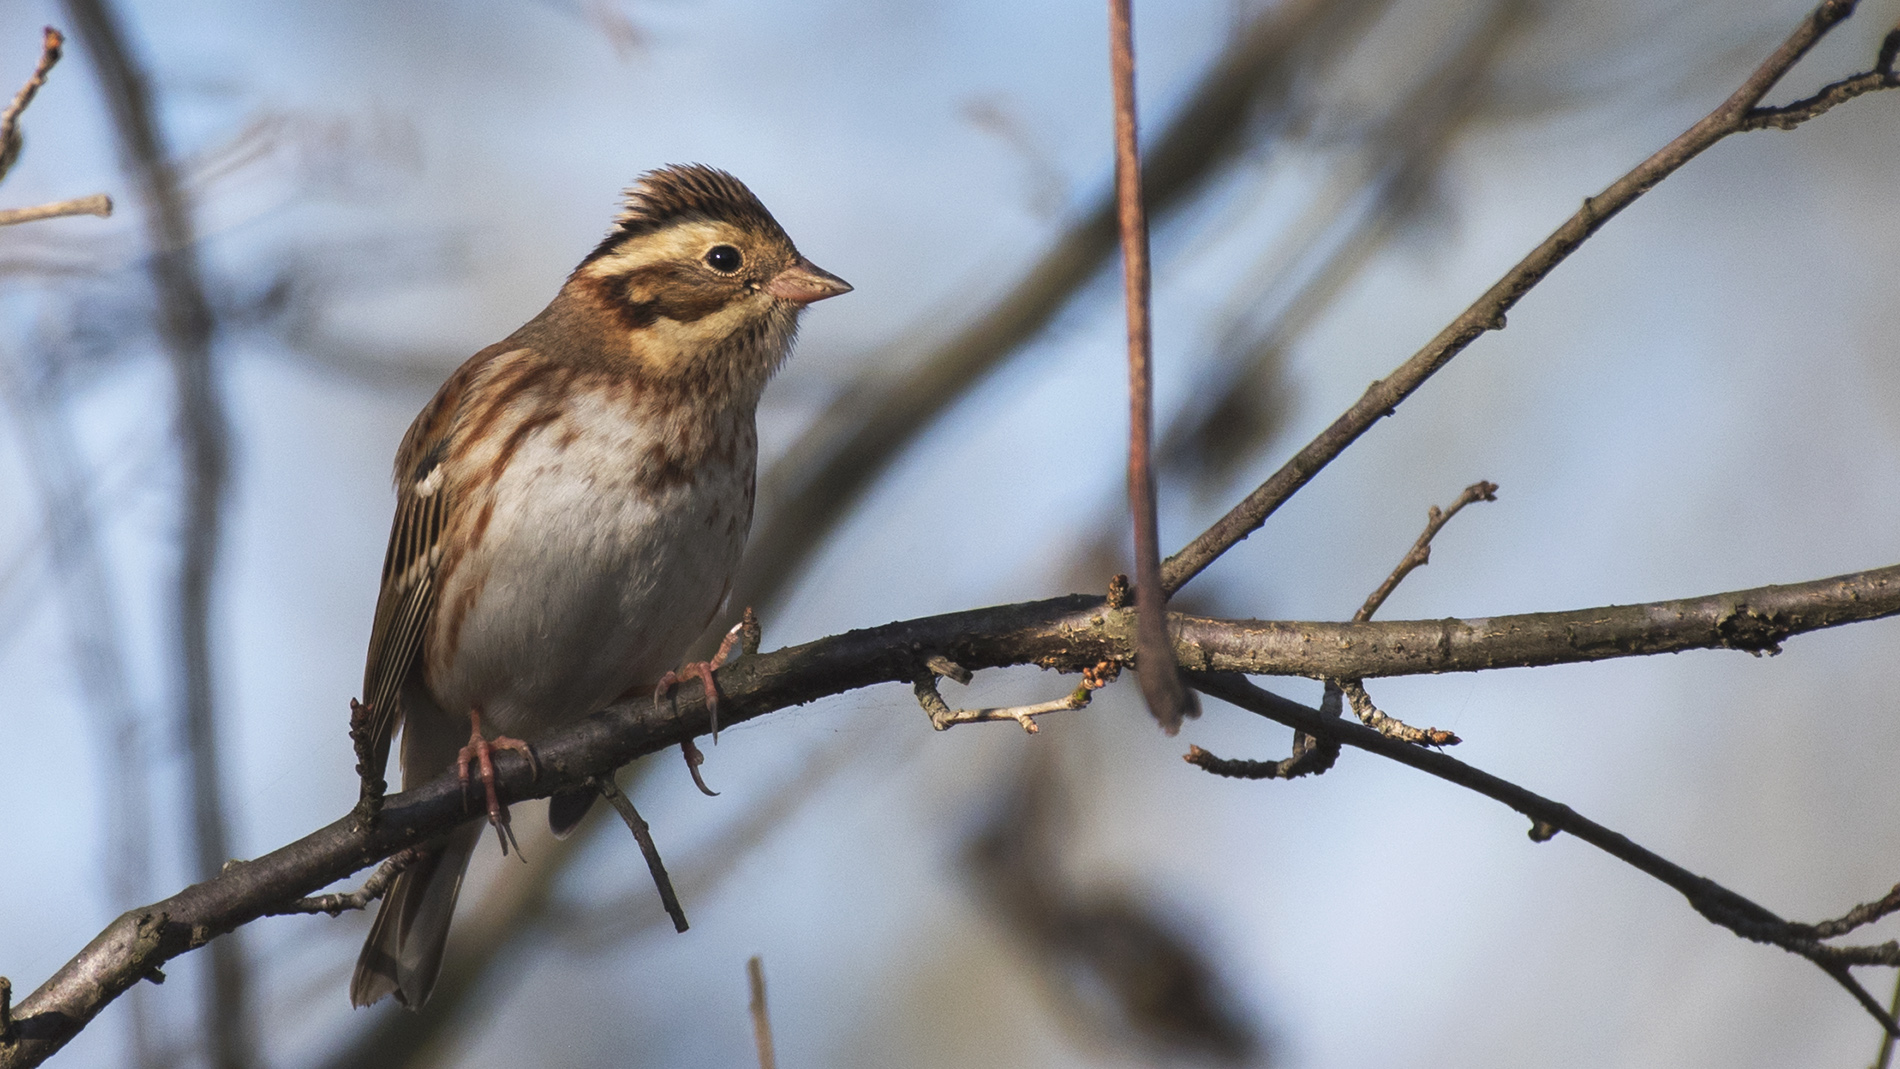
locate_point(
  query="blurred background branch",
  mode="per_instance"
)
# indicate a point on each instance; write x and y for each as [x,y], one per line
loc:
[187,329]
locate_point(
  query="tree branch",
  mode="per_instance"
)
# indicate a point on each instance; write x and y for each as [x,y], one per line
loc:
[1071,634]
[1711,899]
[1734,115]
[1755,621]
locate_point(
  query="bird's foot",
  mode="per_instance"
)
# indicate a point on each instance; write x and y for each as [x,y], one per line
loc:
[480,753]
[703,670]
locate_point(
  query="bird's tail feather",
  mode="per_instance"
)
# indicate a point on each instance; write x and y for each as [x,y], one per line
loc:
[404,951]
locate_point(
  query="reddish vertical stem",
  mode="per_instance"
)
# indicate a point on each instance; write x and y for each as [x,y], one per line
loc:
[1160,683]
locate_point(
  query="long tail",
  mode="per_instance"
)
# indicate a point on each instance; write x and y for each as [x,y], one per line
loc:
[404,949]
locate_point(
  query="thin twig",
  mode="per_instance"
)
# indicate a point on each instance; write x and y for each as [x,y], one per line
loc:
[373,888]
[1417,557]
[942,717]
[97,204]
[6,1011]
[761,1022]
[1160,680]
[1378,720]
[1858,917]
[1488,312]
[1421,552]
[1789,116]
[644,836]
[51,47]
[1712,900]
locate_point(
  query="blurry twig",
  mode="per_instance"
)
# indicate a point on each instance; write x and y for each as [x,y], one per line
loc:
[51,47]
[97,204]
[761,1022]
[1154,660]
[186,327]
[1734,115]
[1048,189]
[1125,971]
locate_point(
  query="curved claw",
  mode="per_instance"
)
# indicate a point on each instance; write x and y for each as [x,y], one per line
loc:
[693,760]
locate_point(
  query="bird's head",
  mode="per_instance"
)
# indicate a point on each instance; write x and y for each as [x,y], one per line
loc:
[701,276]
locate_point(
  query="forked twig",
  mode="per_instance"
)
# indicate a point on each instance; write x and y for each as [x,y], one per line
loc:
[943,717]
[373,888]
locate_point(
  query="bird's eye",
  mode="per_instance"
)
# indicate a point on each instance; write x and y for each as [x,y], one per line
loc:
[724,259]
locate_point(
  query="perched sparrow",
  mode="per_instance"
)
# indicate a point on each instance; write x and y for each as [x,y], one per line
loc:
[571,508]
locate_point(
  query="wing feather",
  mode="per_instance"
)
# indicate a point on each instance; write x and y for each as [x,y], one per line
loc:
[406,602]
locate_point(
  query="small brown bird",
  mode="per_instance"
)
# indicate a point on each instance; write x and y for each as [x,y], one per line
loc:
[571,507]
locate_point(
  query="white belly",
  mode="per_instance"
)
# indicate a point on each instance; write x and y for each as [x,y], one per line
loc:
[588,584]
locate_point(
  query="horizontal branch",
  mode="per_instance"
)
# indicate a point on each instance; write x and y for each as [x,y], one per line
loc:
[1755,621]
[1074,634]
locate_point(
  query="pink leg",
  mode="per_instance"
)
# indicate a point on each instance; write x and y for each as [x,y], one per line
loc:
[480,751]
[703,670]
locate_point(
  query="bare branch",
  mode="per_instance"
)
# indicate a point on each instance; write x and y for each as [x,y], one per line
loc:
[1755,621]
[1488,312]
[1075,633]
[97,204]
[1789,116]
[1417,557]
[1712,900]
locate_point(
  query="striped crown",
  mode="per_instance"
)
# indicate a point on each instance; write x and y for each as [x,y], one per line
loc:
[686,193]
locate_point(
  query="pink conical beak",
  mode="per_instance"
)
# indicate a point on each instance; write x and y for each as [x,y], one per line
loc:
[804,282]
